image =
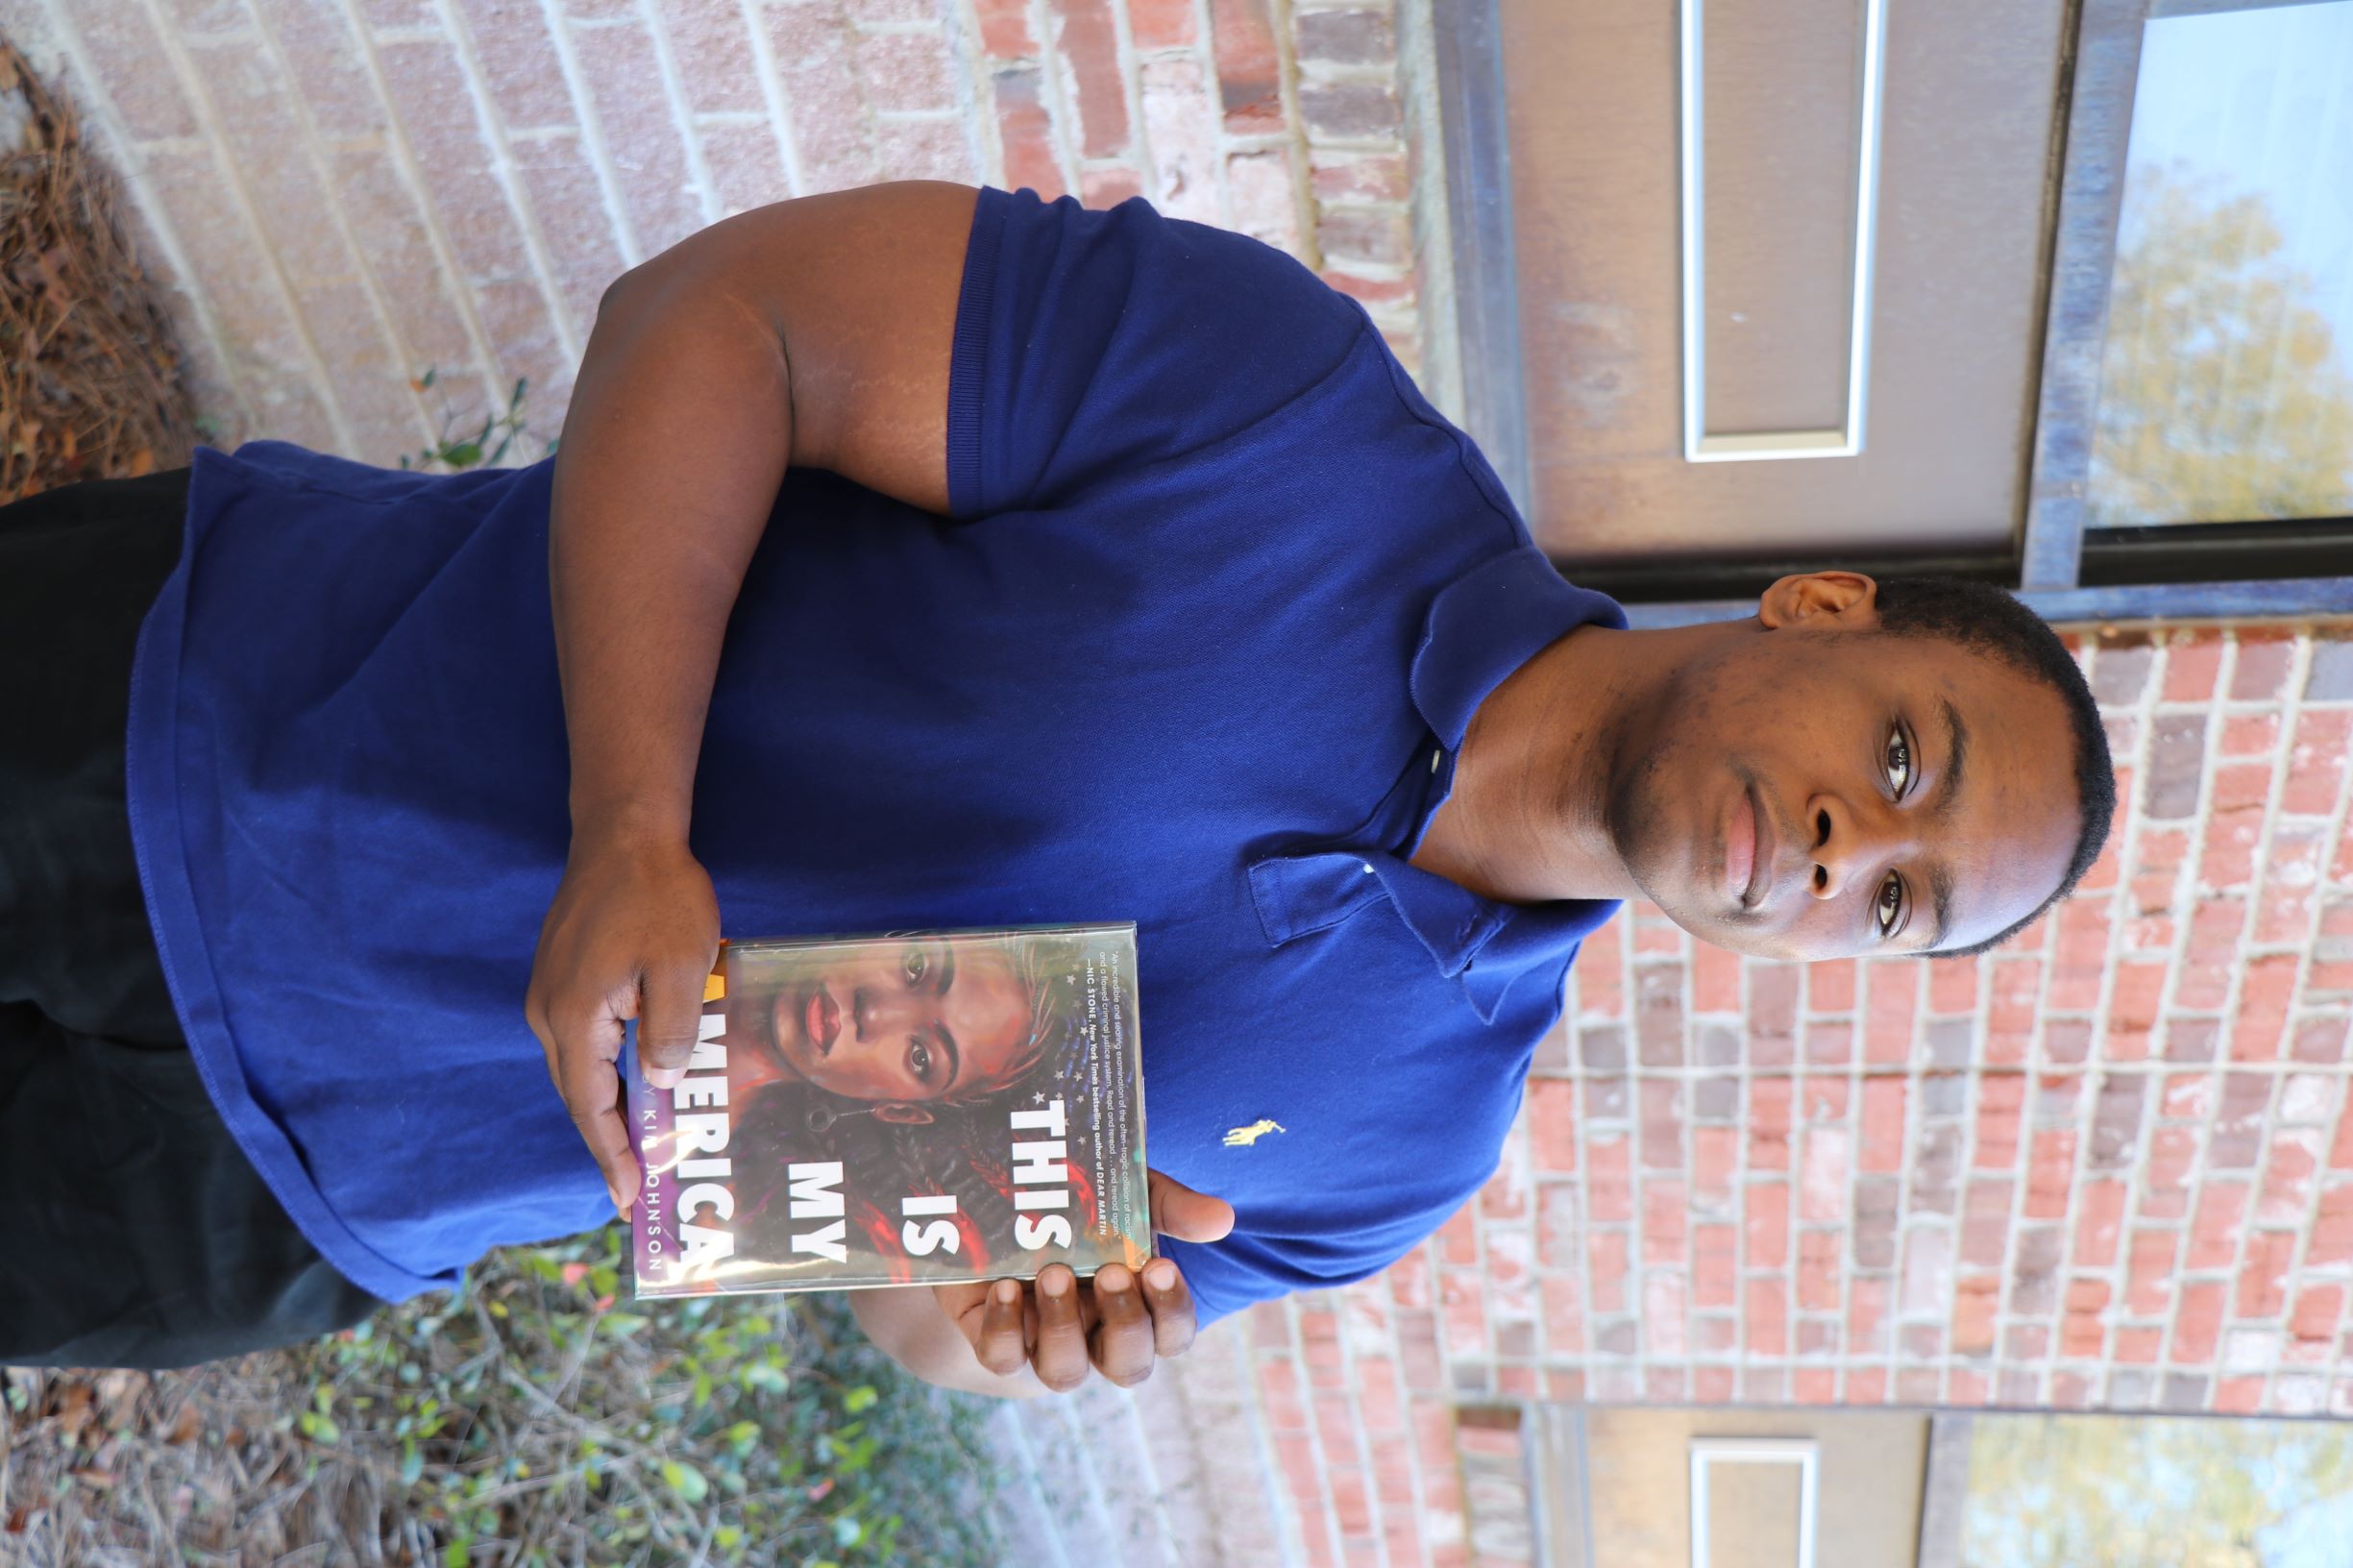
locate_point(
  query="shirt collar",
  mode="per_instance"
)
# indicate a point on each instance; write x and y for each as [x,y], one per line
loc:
[1489,621]
[1480,628]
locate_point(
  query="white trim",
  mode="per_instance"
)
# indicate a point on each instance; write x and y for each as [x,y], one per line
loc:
[1699,447]
[1801,1452]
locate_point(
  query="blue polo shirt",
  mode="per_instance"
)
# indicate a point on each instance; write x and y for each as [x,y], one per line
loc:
[1217,599]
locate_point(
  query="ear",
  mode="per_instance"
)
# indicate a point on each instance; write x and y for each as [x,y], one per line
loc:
[1825,600]
[901,1115]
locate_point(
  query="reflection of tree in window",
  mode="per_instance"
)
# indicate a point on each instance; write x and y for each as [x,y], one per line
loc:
[2223,396]
[2126,1492]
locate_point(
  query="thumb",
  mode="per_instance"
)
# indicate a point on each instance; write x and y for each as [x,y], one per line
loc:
[1179,1212]
[668,1021]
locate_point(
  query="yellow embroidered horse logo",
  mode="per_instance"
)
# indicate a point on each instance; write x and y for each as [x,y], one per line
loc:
[1241,1137]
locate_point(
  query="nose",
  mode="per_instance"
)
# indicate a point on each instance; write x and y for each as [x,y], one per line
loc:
[1848,844]
[883,1011]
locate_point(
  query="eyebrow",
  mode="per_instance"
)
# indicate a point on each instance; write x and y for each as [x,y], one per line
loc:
[947,969]
[1948,794]
[955,1056]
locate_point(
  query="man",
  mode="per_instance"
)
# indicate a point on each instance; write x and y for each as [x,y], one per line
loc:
[920,559]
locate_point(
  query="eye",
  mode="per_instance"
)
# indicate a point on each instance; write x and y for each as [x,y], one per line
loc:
[919,1061]
[1899,763]
[915,966]
[1890,904]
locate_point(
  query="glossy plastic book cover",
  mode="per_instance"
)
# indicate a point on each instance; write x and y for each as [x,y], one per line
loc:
[914,1109]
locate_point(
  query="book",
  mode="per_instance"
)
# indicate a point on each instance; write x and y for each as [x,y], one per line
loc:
[922,1109]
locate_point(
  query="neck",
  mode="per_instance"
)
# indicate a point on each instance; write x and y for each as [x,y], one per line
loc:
[1528,819]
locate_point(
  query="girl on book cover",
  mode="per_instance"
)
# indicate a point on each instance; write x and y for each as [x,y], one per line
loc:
[902,1060]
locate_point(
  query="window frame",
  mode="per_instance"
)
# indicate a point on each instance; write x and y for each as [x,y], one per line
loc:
[2066,571]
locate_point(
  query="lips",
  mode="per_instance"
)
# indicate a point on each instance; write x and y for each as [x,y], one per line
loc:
[1740,848]
[822,1020]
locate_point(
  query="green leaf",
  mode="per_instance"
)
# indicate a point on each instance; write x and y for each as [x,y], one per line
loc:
[860,1398]
[427,380]
[686,1481]
[458,1551]
[845,1530]
[319,1429]
[463,454]
[412,1464]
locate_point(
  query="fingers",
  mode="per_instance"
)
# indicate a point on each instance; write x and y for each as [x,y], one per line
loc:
[670,1011]
[1178,1210]
[1060,1357]
[1123,1331]
[581,1060]
[1000,1343]
[1171,1305]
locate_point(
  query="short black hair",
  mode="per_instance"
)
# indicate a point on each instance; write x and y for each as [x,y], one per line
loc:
[1984,620]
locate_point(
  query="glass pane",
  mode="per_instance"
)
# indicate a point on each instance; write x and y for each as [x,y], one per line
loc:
[2227,390]
[2158,1492]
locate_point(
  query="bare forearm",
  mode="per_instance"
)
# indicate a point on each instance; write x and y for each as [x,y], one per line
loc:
[672,456]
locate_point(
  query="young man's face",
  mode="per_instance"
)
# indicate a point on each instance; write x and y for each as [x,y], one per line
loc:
[1818,793]
[902,1020]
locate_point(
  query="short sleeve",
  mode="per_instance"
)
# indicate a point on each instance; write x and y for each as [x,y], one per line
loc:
[1093,342]
[1245,1268]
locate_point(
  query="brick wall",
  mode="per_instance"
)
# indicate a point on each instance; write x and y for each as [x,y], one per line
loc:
[2111,1167]
[349,192]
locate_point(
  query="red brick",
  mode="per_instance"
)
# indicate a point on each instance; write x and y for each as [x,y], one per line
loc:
[428,91]
[520,64]
[1606,1267]
[1765,1223]
[256,110]
[1665,1214]
[1817,1271]
[2190,665]
[1248,70]
[1004,29]
[328,64]
[640,135]
[120,39]
[2165,1185]
[569,205]
[906,72]
[2317,764]
[2049,1173]
[1715,1161]
[2099,1222]
[2290,1177]
[2250,735]
[1712,1385]
[1999,1097]
[2017,991]
[2262,1277]
[1031,161]
[2238,1396]
[1894,1000]
[1265,202]
[746,165]
[1350,110]
[2291,868]
[832,130]
[1985,1223]
[1715,1265]
[1768,1303]
[1609,1183]
[2138,1346]
[1161,24]
[1088,46]
[1830,986]
[2265,659]
[1963,1388]
[2222,1216]
[2198,1323]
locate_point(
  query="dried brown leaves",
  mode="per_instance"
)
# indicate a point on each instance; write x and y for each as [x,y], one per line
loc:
[89,381]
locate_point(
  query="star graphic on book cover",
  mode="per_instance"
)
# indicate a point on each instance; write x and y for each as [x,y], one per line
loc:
[1037,1098]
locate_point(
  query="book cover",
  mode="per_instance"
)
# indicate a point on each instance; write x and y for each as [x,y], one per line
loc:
[919,1109]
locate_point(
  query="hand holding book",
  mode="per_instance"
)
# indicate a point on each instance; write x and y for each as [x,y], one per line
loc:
[1121,1322]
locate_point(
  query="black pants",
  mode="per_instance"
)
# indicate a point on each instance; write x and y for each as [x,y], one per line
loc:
[132,1231]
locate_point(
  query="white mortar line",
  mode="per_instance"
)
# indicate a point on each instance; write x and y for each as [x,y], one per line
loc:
[773,93]
[232,182]
[681,114]
[592,141]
